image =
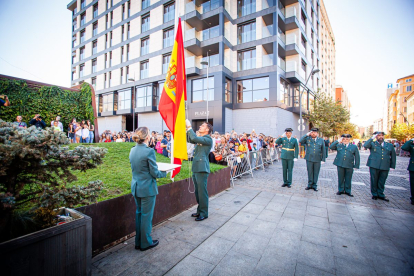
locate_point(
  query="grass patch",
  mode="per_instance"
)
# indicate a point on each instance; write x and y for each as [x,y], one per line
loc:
[116,173]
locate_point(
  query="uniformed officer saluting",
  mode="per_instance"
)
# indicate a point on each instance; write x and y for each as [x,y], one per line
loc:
[201,166]
[381,158]
[290,152]
[347,158]
[315,155]
[409,146]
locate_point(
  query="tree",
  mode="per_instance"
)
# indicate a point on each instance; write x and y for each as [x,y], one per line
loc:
[35,175]
[329,116]
[400,131]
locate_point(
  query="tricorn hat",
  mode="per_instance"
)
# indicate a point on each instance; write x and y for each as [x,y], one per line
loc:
[315,129]
[379,132]
[346,136]
[288,129]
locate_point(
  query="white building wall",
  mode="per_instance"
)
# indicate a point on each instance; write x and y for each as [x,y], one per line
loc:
[228,122]
[153,121]
[110,123]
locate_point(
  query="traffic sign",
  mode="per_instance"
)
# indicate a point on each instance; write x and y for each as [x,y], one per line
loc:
[301,121]
[301,127]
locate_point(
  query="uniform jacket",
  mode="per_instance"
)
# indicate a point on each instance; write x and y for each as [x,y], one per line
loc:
[315,148]
[347,156]
[290,149]
[144,171]
[409,146]
[201,151]
[380,157]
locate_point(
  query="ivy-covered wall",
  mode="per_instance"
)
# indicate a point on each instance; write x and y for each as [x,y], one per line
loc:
[48,101]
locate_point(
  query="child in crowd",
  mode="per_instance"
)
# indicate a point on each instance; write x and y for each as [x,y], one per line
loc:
[158,145]
[85,133]
[56,127]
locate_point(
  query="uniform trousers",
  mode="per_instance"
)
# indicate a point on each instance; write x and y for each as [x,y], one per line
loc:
[378,178]
[344,179]
[143,220]
[201,193]
[313,173]
[412,185]
[287,167]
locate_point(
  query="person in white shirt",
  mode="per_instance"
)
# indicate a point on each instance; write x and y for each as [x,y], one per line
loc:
[85,133]
[78,133]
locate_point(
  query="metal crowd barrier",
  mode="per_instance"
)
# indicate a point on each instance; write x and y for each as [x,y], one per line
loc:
[239,166]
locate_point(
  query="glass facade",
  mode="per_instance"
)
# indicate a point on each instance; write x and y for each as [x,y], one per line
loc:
[253,90]
[124,99]
[108,102]
[168,38]
[246,32]
[245,7]
[144,96]
[200,90]
[246,60]
[144,46]
[145,23]
[169,12]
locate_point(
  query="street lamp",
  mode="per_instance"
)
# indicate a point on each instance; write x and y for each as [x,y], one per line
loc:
[313,72]
[206,63]
[133,105]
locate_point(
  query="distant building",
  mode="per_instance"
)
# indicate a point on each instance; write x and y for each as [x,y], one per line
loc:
[378,125]
[342,96]
[361,131]
[397,101]
[369,130]
[410,108]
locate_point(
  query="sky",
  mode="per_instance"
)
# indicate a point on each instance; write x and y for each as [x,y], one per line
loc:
[374,46]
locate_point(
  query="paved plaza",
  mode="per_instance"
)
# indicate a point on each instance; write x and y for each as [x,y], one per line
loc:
[259,228]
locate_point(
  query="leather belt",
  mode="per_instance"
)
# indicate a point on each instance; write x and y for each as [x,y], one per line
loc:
[288,149]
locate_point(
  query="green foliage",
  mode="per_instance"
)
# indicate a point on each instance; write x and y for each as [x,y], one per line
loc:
[48,101]
[329,116]
[116,174]
[402,131]
[36,172]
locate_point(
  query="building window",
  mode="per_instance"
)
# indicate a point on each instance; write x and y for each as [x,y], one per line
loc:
[73,75]
[145,4]
[82,36]
[95,10]
[245,7]
[253,90]
[127,52]
[144,96]
[94,47]
[122,33]
[124,100]
[246,32]
[409,88]
[75,11]
[82,53]
[105,80]
[145,21]
[283,95]
[128,31]
[107,22]
[303,18]
[83,18]
[110,79]
[110,39]
[129,8]
[127,74]
[94,62]
[144,46]
[110,58]
[123,12]
[108,103]
[312,16]
[246,60]
[83,4]
[74,24]
[303,42]
[73,41]
[168,38]
[211,32]
[94,82]
[73,57]
[165,63]
[213,60]
[227,91]
[106,61]
[169,12]
[303,66]
[122,54]
[122,76]
[407,80]
[144,69]
[81,67]
[312,35]
[312,55]
[95,29]
[202,88]
[210,5]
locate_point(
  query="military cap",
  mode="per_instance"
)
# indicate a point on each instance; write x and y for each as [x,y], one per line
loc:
[346,136]
[288,129]
[379,132]
[315,129]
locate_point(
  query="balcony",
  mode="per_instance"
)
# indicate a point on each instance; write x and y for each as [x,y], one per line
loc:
[267,60]
[294,73]
[291,21]
[192,66]
[267,31]
[281,63]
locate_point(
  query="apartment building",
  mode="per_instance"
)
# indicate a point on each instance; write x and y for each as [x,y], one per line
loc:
[378,125]
[259,53]
[397,101]
[327,54]
[341,96]
[410,108]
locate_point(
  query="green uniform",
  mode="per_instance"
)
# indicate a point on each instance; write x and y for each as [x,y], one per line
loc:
[380,160]
[144,189]
[315,154]
[409,146]
[290,151]
[201,169]
[326,147]
[347,158]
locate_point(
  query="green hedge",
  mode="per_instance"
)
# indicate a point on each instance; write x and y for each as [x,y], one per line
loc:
[49,101]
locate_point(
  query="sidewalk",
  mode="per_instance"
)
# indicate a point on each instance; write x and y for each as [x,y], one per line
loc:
[251,231]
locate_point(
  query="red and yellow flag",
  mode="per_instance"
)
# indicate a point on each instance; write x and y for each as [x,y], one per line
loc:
[172,102]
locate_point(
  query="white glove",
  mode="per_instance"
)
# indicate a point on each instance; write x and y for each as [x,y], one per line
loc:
[307,134]
[323,162]
[340,140]
[284,134]
[187,123]
[392,169]
[373,137]
[295,159]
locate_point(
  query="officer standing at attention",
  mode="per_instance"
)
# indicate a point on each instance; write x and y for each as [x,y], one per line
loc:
[315,155]
[382,157]
[201,166]
[144,187]
[290,152]
[326,146]
[347,158]
[409,146]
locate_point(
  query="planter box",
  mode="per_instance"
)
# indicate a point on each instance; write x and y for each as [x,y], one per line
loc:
[113,220]
[64,249]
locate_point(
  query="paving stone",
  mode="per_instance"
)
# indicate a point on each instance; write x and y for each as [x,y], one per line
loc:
[317,222]
[306,270]
[316,236]
[235,263]
[317,211]
[251,245]
[260,200]
[262,228]
[335,208]
[213,250]
[383,245]
[345,267]
[349,249]
[285,240]
[253,208]
[231,231]
[317,256]
[317,203]
[276,262]
[294,213]
[271,216]
[385,265]
[244,218]
[191,266]
[276,206]
[290,224]
[340,219]
[369,230]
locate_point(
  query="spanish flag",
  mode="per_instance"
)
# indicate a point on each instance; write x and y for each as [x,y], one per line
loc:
[172,102]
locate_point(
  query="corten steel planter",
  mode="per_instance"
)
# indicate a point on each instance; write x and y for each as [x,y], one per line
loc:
[113,220]
[64,249]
